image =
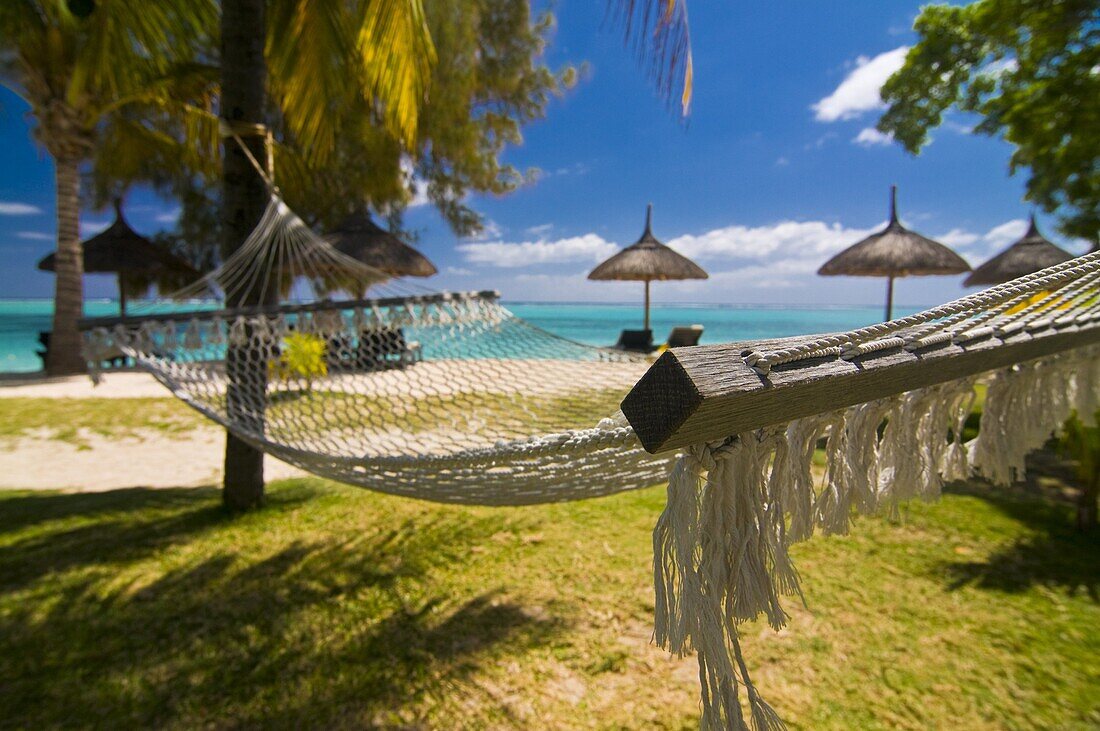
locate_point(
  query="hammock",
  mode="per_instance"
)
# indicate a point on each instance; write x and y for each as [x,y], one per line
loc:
[445,397]
[890,403]
[450,397]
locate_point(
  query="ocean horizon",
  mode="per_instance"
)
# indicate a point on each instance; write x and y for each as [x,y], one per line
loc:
[594,323]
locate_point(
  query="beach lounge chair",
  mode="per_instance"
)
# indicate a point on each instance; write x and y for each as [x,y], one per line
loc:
[388,348]
[636,341]
[682,337]
[114,361]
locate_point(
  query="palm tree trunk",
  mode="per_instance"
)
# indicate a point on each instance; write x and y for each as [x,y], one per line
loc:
[63,356]
[245,195]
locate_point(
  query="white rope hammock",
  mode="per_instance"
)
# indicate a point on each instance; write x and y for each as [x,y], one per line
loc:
[451,398]
[739,498]
[445,397]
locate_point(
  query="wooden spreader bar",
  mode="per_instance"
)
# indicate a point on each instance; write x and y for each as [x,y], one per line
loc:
[705,393]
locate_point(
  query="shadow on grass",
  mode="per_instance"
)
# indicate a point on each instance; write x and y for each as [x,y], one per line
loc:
[1054,554]
[114,527]
[32,508]
[323,631]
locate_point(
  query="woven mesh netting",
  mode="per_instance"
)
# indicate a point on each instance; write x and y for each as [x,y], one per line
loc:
[448,397]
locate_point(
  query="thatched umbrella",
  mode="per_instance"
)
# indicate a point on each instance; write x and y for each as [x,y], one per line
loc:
[894,252]
[1030,254]
[133,258]
[362,239]
[646,261]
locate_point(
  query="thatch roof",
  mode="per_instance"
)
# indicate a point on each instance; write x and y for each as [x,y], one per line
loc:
[1030,254]
[895,252]
[120,250]
[648,260]
[360,238]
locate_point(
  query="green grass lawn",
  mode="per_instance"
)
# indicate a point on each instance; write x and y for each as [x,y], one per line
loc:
[333,607]
[70,419]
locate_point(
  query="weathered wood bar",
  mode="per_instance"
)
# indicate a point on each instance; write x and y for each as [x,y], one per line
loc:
[703,393]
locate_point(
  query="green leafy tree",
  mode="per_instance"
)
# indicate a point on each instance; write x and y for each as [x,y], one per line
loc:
[79,65]
[490,80]
[1028,68]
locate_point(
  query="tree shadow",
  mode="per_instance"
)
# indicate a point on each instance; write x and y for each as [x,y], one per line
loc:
[1054,554]
[33,508]
[114,527]
[334,632]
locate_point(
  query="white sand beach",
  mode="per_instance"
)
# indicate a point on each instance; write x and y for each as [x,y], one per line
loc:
[97,463]
[154,458]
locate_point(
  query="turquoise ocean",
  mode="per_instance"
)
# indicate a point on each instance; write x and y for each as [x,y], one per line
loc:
[596,324]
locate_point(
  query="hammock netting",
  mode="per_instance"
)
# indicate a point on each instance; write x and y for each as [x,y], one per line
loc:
[445,397]
[450,397]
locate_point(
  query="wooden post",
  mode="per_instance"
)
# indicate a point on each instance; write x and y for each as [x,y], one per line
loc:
[889,298]
[647,304]
[244,78]
[703,393]
[121,297]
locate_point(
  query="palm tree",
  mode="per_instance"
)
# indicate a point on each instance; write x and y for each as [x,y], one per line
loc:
[76,63]
[322,54]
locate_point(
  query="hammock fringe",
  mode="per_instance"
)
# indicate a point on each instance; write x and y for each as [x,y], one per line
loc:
[735,506]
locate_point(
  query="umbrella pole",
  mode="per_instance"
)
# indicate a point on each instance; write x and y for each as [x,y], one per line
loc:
[647,304]
[889,299]
[121,297]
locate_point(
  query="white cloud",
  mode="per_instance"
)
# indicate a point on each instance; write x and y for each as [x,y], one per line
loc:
[91,228]
[34,236]
[540,230]
[802,244]
[977,247]
[171,216]
[490,229]
[588,248]
[419,193]
[771,263]
[14,208]
[418,188]
[1001,66]
[1006,233]
[871,137]
[958,238]
[577,168]
[859,91]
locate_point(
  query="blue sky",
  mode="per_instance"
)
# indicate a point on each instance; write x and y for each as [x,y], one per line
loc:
[777,168]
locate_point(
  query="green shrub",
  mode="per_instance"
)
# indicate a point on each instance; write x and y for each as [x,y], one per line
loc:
[302,357]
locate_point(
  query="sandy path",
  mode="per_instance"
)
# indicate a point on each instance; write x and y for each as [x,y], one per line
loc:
[544,376]
[150,460]
[113,385]
[154,459]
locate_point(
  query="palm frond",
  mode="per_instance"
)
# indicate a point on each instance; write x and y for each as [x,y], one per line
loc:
[397,55]
[326,56]
[127,45]
[658,32]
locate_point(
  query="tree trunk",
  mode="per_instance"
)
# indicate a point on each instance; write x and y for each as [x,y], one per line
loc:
[64,356]
[245,194]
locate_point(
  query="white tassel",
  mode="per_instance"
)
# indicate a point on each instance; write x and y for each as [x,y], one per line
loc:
[720,558]
[734,507]
[953,464]
[833,505]
[675,538]
[1024,406]
[791,485]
